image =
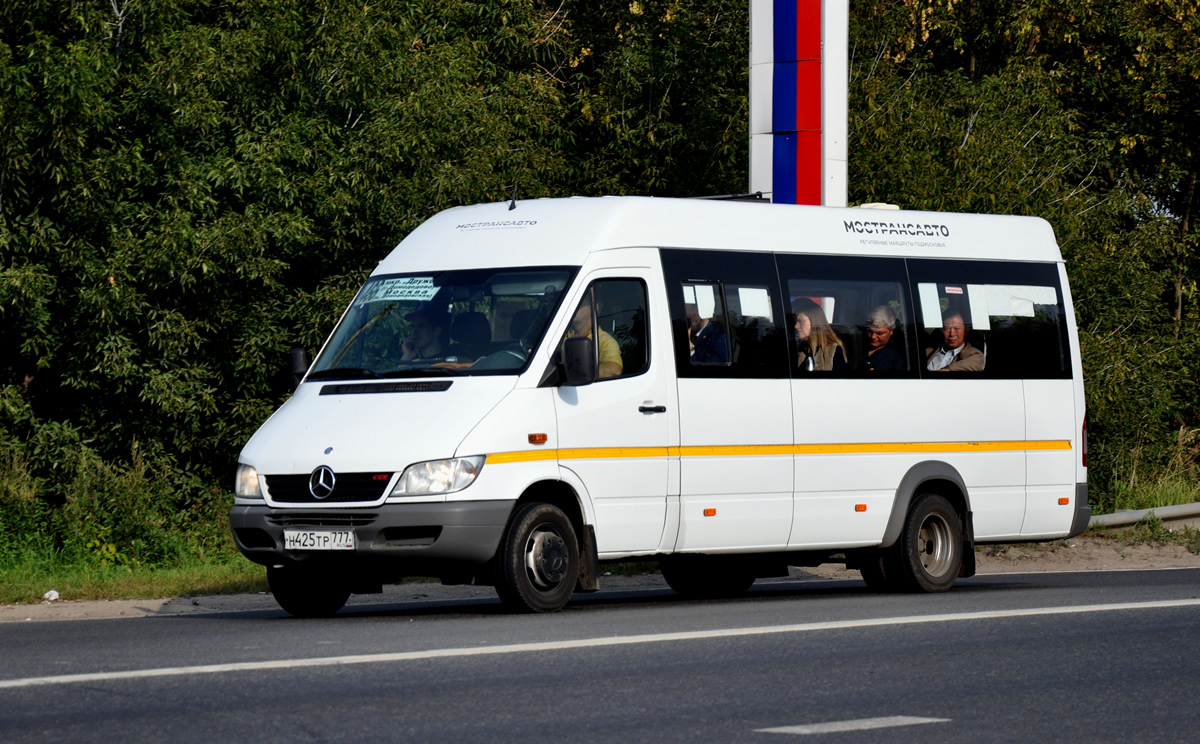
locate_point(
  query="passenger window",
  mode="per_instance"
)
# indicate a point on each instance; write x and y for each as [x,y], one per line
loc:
[848,316]
[613,314]
[954,343]
[992,319]
[704,305]
[725,313]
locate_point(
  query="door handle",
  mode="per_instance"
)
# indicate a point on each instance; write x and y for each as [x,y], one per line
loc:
[652,409]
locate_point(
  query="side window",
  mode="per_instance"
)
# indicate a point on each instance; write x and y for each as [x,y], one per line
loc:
[704,305]
[991,319]
[613,314]
[726,314]
[848,316]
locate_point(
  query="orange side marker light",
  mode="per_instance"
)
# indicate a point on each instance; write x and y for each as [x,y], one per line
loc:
[1064,500]
[860,507]
[537,438]
[710,512]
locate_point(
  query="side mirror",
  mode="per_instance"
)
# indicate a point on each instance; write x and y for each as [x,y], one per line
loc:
[579,361]
[298,364]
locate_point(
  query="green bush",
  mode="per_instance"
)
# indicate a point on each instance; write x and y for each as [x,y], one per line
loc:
[1165,476]
[24,517]
[59,496]
[187,189]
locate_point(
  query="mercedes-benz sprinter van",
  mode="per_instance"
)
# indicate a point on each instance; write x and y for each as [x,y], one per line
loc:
[523,390]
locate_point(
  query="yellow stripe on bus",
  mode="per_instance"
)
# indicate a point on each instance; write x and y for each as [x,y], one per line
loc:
[738,450]
[755,450]
[529,456]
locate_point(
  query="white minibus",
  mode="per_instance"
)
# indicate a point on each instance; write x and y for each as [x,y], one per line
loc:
[521,391]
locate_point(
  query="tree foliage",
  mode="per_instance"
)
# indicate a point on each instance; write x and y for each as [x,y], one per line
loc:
[190,187]
[1081,113]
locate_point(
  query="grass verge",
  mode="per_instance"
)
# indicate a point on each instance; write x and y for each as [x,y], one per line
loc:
[1150,531]
[27,581]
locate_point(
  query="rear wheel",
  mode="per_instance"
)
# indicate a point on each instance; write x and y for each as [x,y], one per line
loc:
[928,554]
[307,591]
[538,560]
[706,577]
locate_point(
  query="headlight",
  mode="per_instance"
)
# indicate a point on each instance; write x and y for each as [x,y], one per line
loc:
[438,476]
[245,484]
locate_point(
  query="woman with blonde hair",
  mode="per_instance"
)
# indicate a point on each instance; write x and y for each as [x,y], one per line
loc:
[820,347]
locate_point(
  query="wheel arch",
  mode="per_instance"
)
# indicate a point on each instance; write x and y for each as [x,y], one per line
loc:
[566,498]
[929,476]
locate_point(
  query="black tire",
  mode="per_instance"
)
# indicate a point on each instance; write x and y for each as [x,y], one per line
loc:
[538,562]
[928,554]
[307,592]
[706,577]
[875,568]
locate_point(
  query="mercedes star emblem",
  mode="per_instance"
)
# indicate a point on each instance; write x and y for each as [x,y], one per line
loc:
[320,483]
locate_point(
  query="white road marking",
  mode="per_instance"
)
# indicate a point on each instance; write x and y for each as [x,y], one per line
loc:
[851,576]
[519,648]
[862,724]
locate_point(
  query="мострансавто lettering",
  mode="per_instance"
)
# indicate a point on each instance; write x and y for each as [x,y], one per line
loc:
[897,228]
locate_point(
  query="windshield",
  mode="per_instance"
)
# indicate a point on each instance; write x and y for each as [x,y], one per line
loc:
[481,321]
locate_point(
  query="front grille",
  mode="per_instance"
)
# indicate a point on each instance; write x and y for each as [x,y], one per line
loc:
[318,519]
[293,489]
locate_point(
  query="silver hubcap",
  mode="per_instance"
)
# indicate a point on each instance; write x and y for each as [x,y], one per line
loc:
[933,543]
[545,557]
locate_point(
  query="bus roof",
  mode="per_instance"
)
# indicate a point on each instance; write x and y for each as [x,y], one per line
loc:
[562,232]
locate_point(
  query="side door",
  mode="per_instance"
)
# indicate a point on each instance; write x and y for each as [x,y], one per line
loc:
[856,396]
[735,413]
[615,434]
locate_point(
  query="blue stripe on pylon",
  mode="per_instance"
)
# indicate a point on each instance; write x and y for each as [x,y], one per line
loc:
[783,97]
[784,30]
[783,168]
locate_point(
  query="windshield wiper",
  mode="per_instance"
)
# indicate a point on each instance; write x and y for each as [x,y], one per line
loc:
[343,372]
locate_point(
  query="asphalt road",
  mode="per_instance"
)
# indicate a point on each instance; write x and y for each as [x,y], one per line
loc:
[1099,656]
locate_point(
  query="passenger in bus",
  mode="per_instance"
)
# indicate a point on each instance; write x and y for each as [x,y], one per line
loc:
[955,354]
[426,333]
[881,356]
[820,348]
[609,350]
[706,340]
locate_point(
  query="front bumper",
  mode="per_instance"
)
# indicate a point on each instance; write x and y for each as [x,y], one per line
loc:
[461,532]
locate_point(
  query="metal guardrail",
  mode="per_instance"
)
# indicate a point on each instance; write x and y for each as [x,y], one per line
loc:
[1165,513]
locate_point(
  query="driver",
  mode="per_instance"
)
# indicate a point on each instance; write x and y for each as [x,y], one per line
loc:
[607,346]
[427,333]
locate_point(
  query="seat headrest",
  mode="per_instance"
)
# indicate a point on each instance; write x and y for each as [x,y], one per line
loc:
[471,328]
[521,321]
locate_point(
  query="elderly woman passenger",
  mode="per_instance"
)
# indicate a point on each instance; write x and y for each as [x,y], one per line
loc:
[881,356]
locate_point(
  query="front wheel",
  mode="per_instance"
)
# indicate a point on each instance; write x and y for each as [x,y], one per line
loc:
[538,560]
[929,552]
[307,592]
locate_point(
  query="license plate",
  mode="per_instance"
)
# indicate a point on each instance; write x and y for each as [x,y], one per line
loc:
[318,540]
